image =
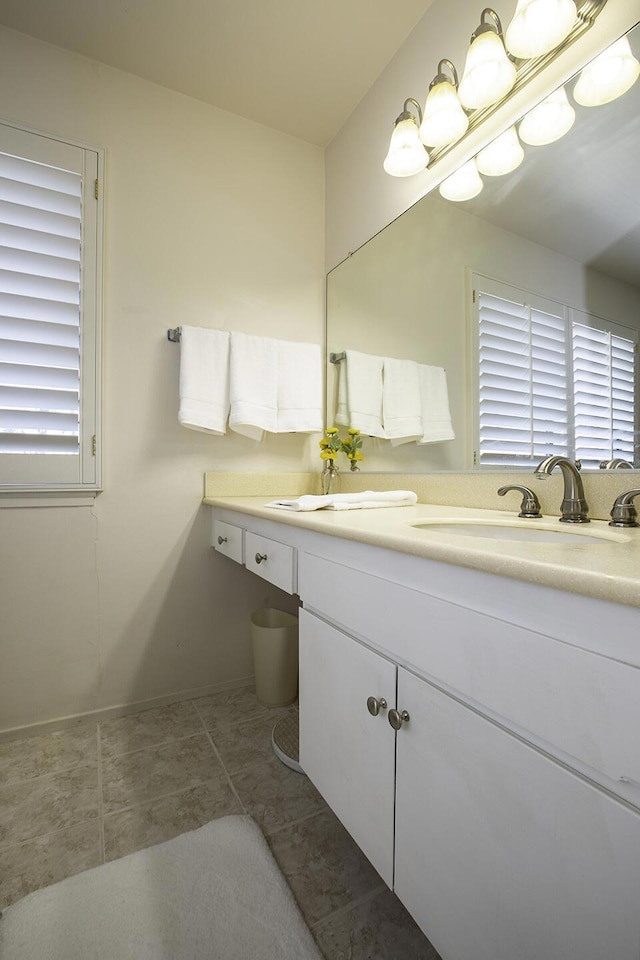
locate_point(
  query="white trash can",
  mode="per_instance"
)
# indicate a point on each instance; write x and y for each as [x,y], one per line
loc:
[274,636]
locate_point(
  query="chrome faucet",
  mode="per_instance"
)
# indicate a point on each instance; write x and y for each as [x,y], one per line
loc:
[624,513]
[574,507]
[616,464]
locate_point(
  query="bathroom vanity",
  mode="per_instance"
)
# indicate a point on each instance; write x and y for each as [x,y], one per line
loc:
[469,708]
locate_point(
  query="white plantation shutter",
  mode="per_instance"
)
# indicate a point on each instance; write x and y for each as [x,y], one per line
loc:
[604,390]
[551,380]
[48,342]
[523,376]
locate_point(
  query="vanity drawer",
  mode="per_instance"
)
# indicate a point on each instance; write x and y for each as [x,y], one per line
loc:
[227,539]
[271,560]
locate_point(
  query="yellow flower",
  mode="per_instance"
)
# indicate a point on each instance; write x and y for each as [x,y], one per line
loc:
[353,431]
[357,455]
[327,455]
[324,443]
[330,431]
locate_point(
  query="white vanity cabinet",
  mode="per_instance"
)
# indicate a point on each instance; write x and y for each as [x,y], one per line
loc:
[498,848]
[505,811]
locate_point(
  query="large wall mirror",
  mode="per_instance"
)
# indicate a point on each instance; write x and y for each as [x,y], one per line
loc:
[564,226]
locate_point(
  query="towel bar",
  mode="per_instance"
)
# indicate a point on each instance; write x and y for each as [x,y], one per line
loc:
[174,335]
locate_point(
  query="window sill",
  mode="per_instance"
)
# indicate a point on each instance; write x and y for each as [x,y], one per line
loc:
[47,498]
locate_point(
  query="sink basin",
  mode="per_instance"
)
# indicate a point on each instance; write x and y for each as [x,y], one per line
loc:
[504,530]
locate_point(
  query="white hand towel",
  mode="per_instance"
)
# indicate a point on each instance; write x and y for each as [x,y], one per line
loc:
[401,409]
[299,387]
[204,379]
[434,398]
[366,500]
[253,386]
[342,406]
[360,393]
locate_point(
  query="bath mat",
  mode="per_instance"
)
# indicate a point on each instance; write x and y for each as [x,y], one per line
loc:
[213,894]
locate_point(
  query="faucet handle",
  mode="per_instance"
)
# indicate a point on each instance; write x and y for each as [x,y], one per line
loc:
[624,513]
[530,506]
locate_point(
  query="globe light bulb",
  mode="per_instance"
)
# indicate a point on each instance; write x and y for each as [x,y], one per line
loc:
[539,26]
[607,77]
[444,120]
[407,155]
[502,155]
[548,121]
[488,73]
[464,184]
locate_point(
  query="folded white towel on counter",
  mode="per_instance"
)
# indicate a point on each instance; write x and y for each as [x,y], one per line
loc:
[360,393]
[299,387]
[366,500]
[434,399]
[204,379]
[401,405]
[253,385]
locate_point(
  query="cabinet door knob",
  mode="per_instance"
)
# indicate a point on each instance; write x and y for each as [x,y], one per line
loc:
[397,719]
[375,705]
[260,557]
[221,540]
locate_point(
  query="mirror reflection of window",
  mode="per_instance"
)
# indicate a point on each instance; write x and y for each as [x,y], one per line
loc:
[551,381]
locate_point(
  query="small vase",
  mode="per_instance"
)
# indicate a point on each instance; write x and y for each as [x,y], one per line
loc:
[330,478]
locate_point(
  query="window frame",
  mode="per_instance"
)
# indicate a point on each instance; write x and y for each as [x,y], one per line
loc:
[14,492]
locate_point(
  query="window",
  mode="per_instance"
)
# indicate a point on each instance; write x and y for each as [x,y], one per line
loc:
[551,380]
[49,330]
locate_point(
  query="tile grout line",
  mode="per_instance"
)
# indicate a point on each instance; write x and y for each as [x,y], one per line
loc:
[162,796]
[295,823]
[154,745]
[100,799]
[42,836]
[50,773]
[161,743]
[348,906]
[220,761]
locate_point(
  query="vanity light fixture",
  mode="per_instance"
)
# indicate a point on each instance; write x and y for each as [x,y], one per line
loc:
[491,75]
[502,155]
[444,120]
[538,26]
[407,154]
[464,184]
[607,77]
[548,121]
[488,74]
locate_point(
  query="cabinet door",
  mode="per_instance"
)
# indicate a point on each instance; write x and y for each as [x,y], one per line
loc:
[502,854]
[348,753]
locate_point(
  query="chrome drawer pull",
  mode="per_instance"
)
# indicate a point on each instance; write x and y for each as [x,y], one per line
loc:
[260,557]
[221,540]
[375,705]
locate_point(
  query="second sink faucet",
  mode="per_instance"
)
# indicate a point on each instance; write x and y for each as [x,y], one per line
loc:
[574,508]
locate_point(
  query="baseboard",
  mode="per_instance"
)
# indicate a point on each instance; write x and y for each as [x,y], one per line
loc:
[119,710]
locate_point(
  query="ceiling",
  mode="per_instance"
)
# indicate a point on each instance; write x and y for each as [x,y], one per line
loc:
[299,66]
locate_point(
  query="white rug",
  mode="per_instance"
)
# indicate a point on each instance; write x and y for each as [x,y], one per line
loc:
[215,893]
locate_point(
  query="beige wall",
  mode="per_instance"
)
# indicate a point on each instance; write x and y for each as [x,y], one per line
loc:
[209,219]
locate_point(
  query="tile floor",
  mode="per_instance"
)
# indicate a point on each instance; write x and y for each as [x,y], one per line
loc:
[78,797]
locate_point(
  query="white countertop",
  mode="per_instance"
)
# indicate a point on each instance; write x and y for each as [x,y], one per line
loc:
[608,569]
